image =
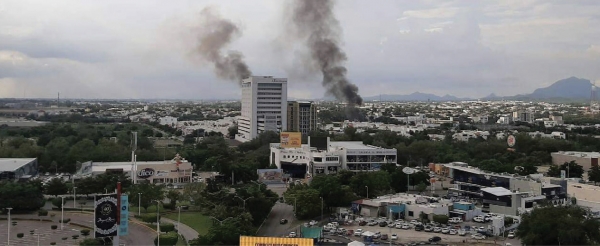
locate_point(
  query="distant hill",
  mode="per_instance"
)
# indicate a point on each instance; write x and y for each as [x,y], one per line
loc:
[416,96]
[565,90]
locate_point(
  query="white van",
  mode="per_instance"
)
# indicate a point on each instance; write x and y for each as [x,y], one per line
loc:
[455,220]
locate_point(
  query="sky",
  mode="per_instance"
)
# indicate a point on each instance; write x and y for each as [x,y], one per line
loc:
[115,49]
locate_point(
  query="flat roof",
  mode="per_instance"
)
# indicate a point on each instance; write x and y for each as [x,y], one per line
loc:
[578,154]
[475,170]
[126,166]
[12,164]
[498,191]
[352,145]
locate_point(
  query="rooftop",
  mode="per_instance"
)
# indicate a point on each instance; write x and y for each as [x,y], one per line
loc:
[401,198]
[12,164]
[353,145]
[579,154]
[498,191]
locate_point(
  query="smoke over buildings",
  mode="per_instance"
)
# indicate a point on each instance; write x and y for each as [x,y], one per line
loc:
[214,35]
[314,23]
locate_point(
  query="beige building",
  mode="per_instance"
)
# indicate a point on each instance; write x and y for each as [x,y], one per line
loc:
[585,159]
[586,195]
[173,171]
[301,117]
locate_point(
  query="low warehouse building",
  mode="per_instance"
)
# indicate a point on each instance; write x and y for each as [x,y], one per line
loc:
[17,168]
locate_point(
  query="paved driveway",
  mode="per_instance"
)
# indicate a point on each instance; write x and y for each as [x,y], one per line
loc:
[271,226]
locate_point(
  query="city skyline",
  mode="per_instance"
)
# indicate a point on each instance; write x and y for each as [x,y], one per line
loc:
[108,49]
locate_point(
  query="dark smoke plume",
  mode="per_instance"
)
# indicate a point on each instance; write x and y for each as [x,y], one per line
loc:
[215,33]
[314,21]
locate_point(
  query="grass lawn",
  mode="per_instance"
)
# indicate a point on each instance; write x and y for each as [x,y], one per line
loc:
[195,220]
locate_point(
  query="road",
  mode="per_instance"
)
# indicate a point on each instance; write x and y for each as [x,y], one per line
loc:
[271,226]
[185,230]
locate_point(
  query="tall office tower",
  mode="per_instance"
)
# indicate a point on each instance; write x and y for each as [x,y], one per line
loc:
[301,117]
[264,106]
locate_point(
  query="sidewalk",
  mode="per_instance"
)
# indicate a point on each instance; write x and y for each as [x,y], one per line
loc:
[185,230]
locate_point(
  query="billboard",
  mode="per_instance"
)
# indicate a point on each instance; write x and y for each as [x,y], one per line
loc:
[275,241]
[318,142]
[270,176]
[291,140]
[105,216]
[124,227]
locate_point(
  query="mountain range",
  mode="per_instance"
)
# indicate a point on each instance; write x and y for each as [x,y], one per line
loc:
[569,89]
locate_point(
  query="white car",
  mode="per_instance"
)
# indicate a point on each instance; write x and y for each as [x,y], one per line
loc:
[478,236]
[437,229]
[398,225]
[479,219]
[462,232]
[445,230]
[313,222]
[358,232]
[292,234]
[453,231]
[391,224]
[406,226]
[394,237]
[511,235]
[414,222]
[455,220]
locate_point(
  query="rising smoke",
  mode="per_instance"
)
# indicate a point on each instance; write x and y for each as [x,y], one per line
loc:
[314,22]
[214,34]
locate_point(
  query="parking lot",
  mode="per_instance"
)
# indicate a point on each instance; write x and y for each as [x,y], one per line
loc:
[411,235]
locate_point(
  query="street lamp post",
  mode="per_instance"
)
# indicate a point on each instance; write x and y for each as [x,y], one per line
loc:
[244,200]
[140,204]
[158,222]
[367,191]
[74,196]
[8,234]
[178,219]
[38,236]
[62,211]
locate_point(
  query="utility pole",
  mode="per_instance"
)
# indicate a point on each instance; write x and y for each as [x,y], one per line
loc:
[8,234]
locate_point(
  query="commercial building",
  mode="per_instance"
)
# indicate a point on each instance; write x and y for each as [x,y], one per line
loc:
[322,156]
[585,159]
[402,206]
[499,192]
[264,106]
[174,171]
[17,168]
[523,116]
[168,121]
[301,117]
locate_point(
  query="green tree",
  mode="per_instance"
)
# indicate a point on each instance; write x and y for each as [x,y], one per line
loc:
[594,174]
[173,197]
[21,196]
[572,170]
[562,225]
[56,187]
[149,193]
[421,187]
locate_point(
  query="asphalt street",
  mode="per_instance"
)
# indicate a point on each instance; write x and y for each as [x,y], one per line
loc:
[271,227]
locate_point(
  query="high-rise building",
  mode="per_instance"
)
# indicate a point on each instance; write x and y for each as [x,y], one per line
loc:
[264,106]
[301,117]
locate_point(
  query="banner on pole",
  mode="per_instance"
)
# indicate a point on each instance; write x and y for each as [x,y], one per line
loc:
[124,228]
[105,216]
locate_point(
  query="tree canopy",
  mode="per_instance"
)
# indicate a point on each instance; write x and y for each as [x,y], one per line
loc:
[560,225]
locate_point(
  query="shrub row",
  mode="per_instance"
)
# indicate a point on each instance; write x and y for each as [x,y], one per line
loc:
[170,238]
[167,227]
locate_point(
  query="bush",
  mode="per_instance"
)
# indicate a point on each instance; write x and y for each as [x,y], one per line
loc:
[442,219]
[91,242]
[169,206]
[85,232]
[508,221]
[54,227]
[20,235]
[75,236]
[43,212]
[52,215]
[57,202]
[170,238]
[65,238]
[53,243]
[64,221]
[167,227]
[148,218]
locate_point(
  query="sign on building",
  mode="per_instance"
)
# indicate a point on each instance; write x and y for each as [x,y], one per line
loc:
[146,173]
[124,227]
[105,216]
[291,140]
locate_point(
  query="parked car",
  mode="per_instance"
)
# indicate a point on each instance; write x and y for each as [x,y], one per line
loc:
[455,220]
[478,236]
[282,221]
[382,224]
[391,225]
[437,229]
[394,237]
[445,230]
[372,223]
[435,239]
[462,232]
[362,223]
[453,232]
[406,226]
[292,234]
[358,232]
[398,225]
[419,227]
[479,219]
[428,228]
[414,222]
[377,235]
[384,237]
[511,235]
[313,222]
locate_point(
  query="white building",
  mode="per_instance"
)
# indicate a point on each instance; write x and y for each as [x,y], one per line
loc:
[320,156]
[264,106]
[168,120]
[465,135]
